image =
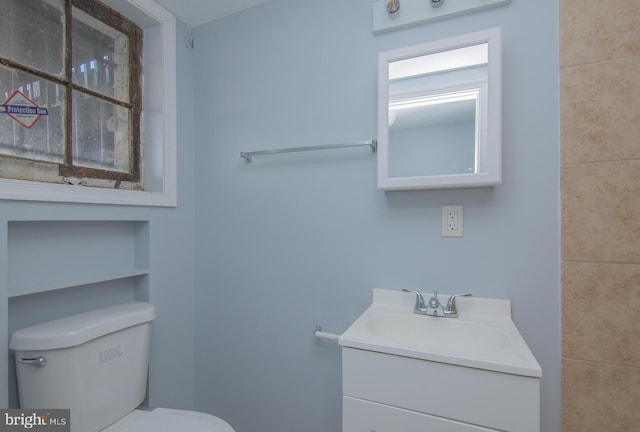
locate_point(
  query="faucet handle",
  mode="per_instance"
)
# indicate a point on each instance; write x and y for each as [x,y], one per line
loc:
[420,306]
[450,308]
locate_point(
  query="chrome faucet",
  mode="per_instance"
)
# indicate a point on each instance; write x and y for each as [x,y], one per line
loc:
[434,304]
[433,307]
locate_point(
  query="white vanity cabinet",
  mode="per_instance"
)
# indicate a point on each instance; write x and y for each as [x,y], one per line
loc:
[406,372]
[390,393]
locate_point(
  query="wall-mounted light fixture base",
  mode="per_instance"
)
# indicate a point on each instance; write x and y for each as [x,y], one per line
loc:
[393,7]
[418,11]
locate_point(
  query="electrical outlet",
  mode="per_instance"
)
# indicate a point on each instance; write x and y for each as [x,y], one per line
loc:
[452,221]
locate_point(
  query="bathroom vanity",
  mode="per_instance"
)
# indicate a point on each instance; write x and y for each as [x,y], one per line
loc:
[408,372]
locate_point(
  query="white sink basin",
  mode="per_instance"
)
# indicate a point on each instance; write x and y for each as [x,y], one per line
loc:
[483,336]
[444,335]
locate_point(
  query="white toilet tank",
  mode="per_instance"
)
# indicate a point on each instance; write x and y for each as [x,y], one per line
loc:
[94,363]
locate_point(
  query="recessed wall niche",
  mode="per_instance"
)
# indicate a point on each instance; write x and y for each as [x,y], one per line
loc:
[58,268]
[50,255]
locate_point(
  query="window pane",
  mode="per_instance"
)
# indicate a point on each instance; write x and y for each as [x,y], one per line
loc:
[100,57]
[100,134]
[37,137]
[32,34]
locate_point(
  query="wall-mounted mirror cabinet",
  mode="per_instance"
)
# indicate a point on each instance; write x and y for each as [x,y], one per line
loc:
[439,114]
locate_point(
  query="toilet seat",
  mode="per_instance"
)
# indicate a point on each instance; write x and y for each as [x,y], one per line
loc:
[169,420]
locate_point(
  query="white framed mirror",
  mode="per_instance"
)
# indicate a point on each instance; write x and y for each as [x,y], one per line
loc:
[439,114]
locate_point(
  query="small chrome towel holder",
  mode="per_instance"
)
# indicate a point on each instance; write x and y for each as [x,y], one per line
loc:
[369,143]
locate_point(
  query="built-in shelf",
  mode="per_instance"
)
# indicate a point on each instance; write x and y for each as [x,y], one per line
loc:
[52,255]
[97,278]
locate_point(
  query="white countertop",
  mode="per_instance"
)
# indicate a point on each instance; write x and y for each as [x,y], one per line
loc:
[483,336]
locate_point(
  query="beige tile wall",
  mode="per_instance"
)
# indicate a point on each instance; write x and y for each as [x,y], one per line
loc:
[600,109]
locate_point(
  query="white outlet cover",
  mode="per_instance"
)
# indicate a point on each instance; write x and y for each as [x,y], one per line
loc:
[455,213]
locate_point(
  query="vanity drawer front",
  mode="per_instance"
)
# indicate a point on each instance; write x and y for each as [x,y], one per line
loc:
[364,416]
[492,399]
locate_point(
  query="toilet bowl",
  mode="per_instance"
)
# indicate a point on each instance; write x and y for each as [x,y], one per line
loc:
[169,420]
[96,365]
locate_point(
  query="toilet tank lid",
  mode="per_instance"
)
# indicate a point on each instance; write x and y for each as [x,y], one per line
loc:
[78,329]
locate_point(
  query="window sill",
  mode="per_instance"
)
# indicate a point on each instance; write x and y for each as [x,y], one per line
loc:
[34,191]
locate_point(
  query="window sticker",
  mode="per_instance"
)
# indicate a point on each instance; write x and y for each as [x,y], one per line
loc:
[22,109]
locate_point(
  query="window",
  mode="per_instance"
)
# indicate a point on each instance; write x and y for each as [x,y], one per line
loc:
[78,113]
[70,80]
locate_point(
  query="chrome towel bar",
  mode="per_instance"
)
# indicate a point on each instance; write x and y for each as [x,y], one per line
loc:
[249,155]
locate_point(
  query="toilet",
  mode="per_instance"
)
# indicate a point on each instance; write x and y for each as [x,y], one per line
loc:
[95,364]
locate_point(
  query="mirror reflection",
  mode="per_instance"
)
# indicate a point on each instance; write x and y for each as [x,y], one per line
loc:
[435,109]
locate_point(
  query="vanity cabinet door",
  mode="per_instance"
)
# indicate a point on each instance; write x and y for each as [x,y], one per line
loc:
[365,416]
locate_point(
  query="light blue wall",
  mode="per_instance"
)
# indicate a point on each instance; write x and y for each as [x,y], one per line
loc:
[171,265]
[290,241]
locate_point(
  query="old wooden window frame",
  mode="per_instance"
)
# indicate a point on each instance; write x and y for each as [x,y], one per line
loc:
[158,123]
[114,20]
